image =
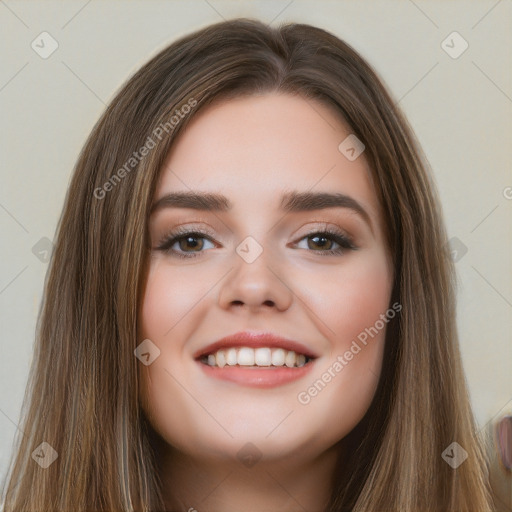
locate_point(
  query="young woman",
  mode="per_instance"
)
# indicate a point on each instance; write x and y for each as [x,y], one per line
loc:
[250,305]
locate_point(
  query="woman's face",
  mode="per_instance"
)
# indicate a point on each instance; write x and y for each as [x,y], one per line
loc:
[257,259]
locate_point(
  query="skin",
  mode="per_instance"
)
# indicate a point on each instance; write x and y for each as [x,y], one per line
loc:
[252,150]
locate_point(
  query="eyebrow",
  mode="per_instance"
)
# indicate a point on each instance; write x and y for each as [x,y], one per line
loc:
[290,202]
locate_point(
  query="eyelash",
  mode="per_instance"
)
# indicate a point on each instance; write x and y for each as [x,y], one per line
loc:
[344,242]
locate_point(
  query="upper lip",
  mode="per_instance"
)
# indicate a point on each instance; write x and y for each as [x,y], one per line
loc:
[255,340]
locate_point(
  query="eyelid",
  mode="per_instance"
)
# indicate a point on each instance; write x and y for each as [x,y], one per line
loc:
[327,227]
[184,229]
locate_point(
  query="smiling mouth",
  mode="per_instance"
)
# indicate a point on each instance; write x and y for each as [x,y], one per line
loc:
[261,357]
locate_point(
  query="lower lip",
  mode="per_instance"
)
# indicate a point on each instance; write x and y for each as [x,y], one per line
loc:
[269,377]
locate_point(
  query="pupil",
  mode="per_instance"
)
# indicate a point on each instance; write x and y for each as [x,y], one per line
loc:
[190,242]
[322,242]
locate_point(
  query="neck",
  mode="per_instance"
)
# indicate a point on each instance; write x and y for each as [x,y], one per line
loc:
[190,484]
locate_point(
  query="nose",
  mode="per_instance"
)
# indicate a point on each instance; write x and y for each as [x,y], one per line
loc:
[257,285]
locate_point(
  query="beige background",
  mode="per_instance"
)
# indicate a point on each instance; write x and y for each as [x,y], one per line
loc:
[459,108]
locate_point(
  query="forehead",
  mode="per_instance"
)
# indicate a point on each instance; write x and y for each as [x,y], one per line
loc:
[252,149]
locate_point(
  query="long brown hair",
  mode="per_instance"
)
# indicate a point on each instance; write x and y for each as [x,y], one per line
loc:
[82,397]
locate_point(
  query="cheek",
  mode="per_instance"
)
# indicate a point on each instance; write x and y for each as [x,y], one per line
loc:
[166,300]
[362,297]
[350,297]
[352,303]
[172,308]
[358,318]
[173,294]
[161,310]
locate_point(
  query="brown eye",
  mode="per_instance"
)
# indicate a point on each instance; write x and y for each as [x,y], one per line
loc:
[186,244]
[327,243]
[319,242]
[193,243]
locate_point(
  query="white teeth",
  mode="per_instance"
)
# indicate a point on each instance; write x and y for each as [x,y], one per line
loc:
[231,358]
[221,358]
[263,356]
[289,360]
[246,357]
[278,356]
